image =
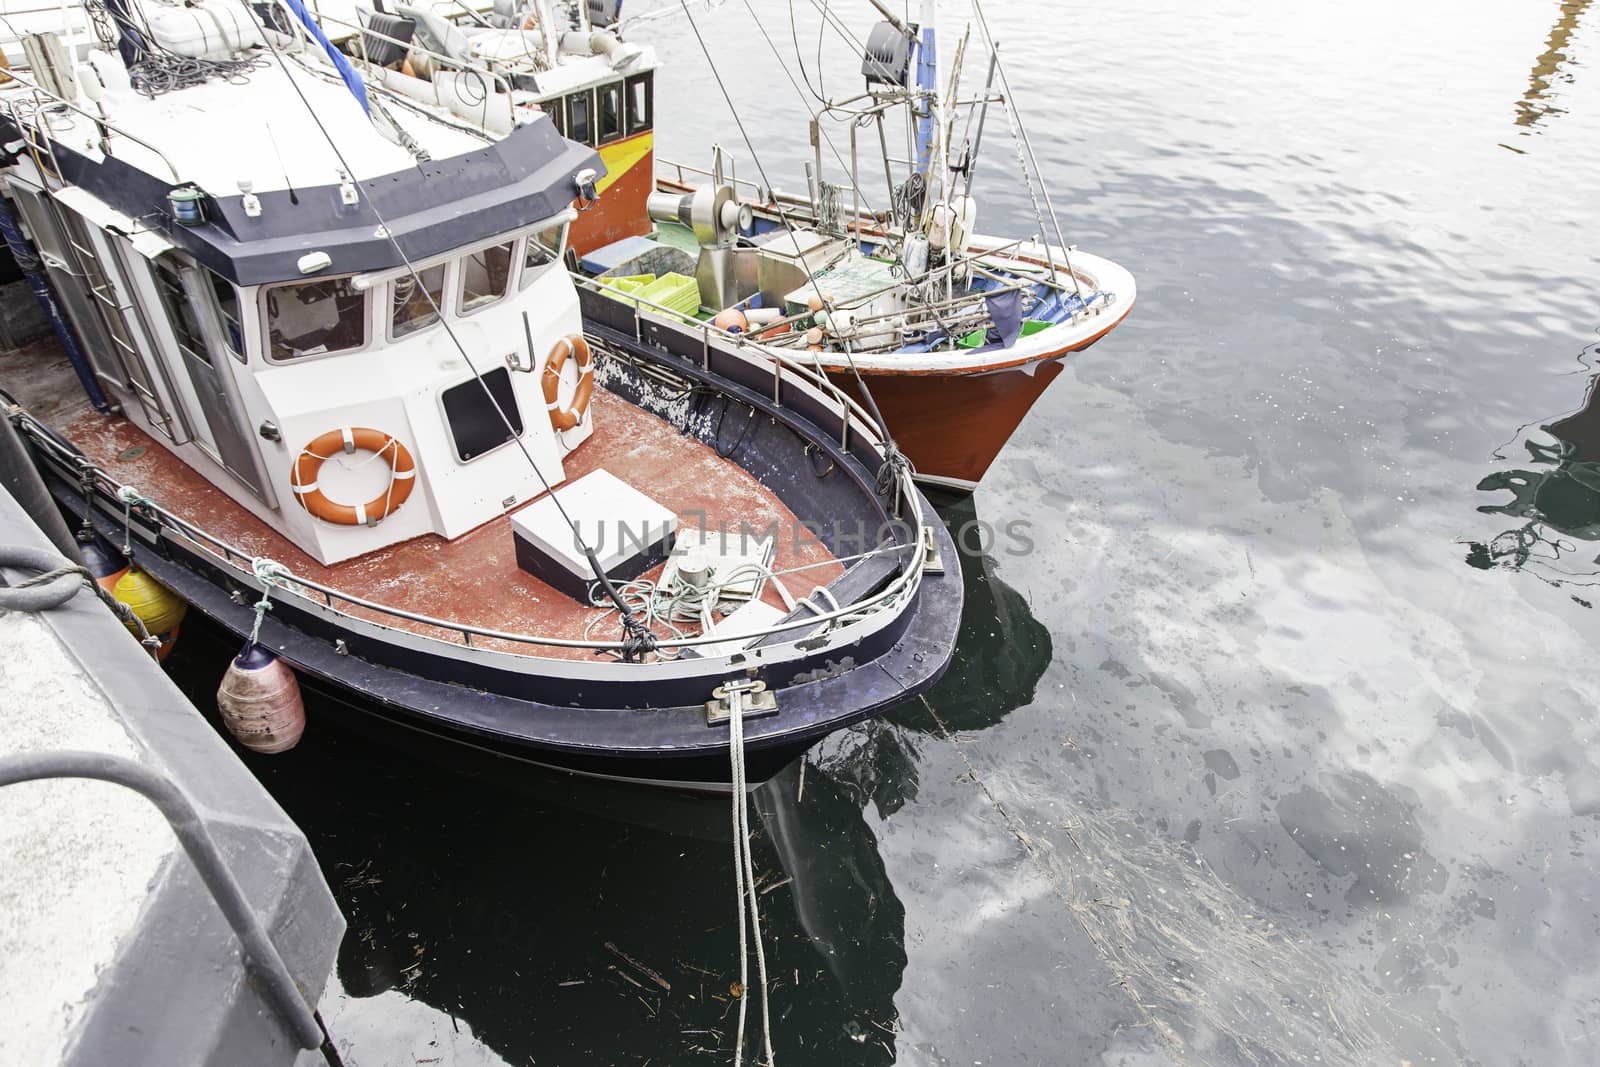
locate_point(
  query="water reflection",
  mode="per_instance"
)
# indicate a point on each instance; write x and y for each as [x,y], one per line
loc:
[1003,653]
[1534,105]
[502,914]
[1559,497]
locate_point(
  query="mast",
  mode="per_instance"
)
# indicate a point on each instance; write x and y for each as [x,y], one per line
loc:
[931,114]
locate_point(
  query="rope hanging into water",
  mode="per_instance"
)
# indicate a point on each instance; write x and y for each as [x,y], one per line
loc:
[744,884]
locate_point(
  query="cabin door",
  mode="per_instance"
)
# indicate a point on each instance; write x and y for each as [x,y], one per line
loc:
[99,317]
[188,316]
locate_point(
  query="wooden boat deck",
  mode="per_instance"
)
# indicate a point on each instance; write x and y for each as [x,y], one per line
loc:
[474,579]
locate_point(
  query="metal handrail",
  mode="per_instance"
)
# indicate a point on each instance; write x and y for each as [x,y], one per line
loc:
[260,954]
[732,179]
[96,119]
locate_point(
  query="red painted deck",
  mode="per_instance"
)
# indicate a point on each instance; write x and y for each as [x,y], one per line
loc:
[473,579]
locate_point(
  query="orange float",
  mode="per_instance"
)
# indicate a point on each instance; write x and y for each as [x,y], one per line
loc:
[565,418]
[402,479]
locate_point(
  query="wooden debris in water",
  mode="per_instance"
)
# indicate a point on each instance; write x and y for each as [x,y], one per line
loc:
[641,968]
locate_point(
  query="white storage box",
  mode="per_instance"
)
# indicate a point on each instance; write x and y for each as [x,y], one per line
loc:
[629,532]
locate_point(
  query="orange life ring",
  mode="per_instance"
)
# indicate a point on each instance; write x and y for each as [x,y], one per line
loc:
[531,22]
[307,465]
[566,418]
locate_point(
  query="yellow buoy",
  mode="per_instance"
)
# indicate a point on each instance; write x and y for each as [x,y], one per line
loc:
[260,701]
[159,608]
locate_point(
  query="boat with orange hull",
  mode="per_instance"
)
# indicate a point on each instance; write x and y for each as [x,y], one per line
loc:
[950,408]
[948,336]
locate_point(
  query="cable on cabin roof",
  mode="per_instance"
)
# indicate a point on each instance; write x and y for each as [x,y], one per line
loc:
[153,69]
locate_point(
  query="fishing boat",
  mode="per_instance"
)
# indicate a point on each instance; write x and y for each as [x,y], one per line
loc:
[323,376]
[879,281]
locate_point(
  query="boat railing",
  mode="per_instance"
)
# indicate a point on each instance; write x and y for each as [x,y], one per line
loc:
[242,565]
[851,412]
[39,94]
[732,177]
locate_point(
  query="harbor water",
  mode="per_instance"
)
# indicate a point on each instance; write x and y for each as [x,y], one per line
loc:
[1271,737]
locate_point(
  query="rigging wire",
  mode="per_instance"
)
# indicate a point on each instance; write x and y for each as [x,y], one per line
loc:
[640,640]
[794,32]
[1022,138]
[894,459]
[833,148]
[831,19]
[908,198]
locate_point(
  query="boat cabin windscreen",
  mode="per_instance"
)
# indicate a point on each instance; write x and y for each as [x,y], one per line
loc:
[607,113]
[580,117]
[485,276]
[610,97]
[545,248]
[315,319]
[227,298]
[414,301]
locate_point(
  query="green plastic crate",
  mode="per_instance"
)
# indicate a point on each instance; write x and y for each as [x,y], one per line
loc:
[626,284]
[675,291]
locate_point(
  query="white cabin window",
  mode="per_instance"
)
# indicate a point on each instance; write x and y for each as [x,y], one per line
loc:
[415,305]
[315,319]
[580,117]
[640,103]
[227,298]
[544,248]
[610,112]
[180,312]
[557,110]
[485,275]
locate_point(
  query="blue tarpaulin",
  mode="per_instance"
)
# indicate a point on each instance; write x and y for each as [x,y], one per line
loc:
[1006,311]
[352,80]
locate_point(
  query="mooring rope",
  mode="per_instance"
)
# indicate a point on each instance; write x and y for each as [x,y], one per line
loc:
[57,582]
[744,882]
[131,498]
[268,572]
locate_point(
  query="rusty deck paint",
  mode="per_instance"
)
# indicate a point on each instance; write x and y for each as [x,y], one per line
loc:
[474,579]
